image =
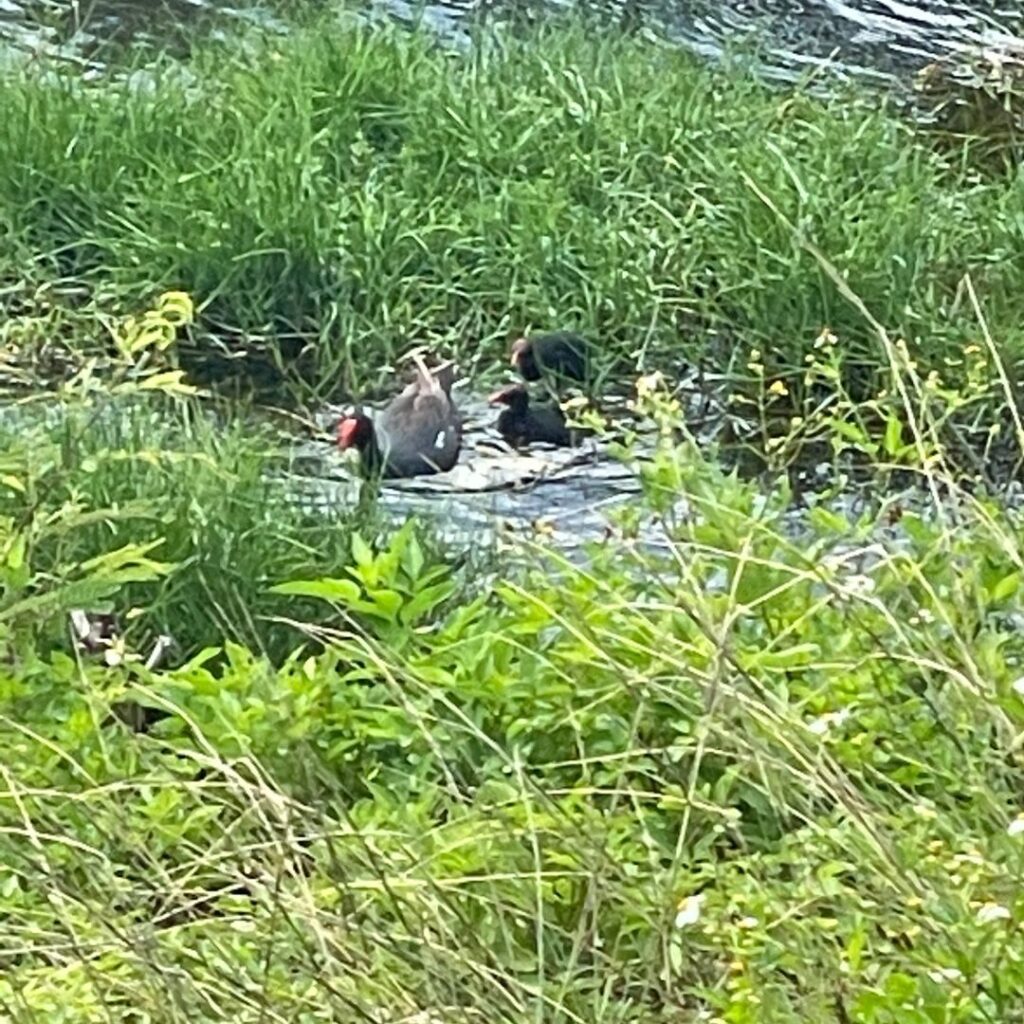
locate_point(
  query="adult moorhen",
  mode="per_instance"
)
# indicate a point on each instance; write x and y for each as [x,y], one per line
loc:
[562,355]
[418,433]
[519,423]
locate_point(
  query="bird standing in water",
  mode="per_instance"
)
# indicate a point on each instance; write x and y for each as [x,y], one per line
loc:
[418,433]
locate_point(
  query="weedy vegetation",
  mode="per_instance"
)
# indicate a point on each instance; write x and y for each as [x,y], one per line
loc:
[767,769]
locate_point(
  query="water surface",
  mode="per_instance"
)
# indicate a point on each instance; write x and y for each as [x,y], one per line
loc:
[879,40]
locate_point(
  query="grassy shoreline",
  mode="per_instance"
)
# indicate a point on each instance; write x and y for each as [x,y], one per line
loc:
[753,777]
[337,194]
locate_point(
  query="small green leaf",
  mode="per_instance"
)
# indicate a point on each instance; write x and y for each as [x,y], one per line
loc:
[900,987]
[855,947]
[426,600]
[131,557]
[675,955]
[828,521]
[893,435]
[1006,587]
[791,657]
[341,591]
[16,552]
[412,559]
[171,381]
[176,308]
[385,603]
[361,552]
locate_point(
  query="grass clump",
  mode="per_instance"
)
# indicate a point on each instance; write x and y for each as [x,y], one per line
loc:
[204,495]
[336,193]
[123,481]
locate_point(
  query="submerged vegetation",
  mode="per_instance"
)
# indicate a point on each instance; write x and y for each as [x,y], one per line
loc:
[768,771]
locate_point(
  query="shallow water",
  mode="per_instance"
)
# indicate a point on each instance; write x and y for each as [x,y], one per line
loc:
[881,40]
[548,500]
[563,497]
[493,493]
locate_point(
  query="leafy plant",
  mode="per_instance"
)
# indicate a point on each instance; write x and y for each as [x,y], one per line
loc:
[395,586]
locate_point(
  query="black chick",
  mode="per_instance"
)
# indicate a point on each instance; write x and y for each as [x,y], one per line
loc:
[559,355]
[520,424]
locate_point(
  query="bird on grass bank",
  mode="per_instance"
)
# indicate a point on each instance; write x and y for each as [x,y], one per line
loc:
[417,434]
[521,423]
[558,357]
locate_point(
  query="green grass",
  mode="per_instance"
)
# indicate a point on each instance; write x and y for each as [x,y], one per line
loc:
[346,192]
[382,787]
[493,809]
[200,489]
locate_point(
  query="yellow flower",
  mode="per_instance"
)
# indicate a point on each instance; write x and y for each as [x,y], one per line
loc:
[649,383]
[777,387]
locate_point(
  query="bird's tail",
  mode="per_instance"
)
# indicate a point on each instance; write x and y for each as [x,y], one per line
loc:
[440,379]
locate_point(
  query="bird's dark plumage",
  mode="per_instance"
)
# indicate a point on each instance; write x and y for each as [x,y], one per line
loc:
[418,433]
[558,355]
[521,423]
